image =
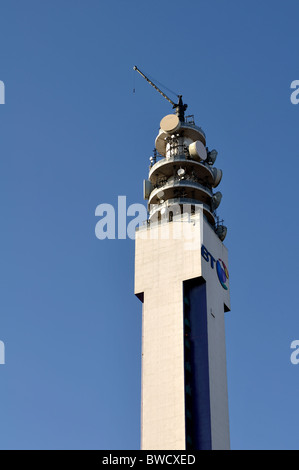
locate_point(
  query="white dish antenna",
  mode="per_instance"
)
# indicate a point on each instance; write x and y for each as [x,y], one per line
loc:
[170,123]
[197,150]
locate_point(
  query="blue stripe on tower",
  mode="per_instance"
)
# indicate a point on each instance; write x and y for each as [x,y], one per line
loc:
[197,389]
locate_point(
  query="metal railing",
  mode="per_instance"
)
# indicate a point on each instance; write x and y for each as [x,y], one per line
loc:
[189,179]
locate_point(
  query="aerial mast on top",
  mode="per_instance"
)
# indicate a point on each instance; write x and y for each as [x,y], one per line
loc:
[180,107]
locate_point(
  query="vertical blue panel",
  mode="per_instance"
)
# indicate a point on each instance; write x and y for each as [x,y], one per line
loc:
[197,390]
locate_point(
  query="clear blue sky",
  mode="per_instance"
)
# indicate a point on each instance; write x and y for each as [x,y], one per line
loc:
[73,135]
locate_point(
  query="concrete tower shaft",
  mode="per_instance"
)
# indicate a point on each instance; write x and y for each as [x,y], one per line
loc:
[182,279]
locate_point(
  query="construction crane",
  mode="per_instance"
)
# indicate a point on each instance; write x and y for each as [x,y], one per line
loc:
[179,107]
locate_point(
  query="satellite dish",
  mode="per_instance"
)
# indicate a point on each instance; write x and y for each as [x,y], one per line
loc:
[221,231]
[170,123]
[216,199]
[181,172]
[212,155]
[197,150]
[217,175]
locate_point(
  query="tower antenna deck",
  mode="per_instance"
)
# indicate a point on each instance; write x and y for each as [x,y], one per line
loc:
[180,107]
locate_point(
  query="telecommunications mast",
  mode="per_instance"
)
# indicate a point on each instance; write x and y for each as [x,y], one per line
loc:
[182,279]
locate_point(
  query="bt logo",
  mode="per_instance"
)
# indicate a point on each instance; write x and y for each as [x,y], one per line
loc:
[222,271]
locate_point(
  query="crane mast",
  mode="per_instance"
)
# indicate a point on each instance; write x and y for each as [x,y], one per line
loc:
[179,106]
